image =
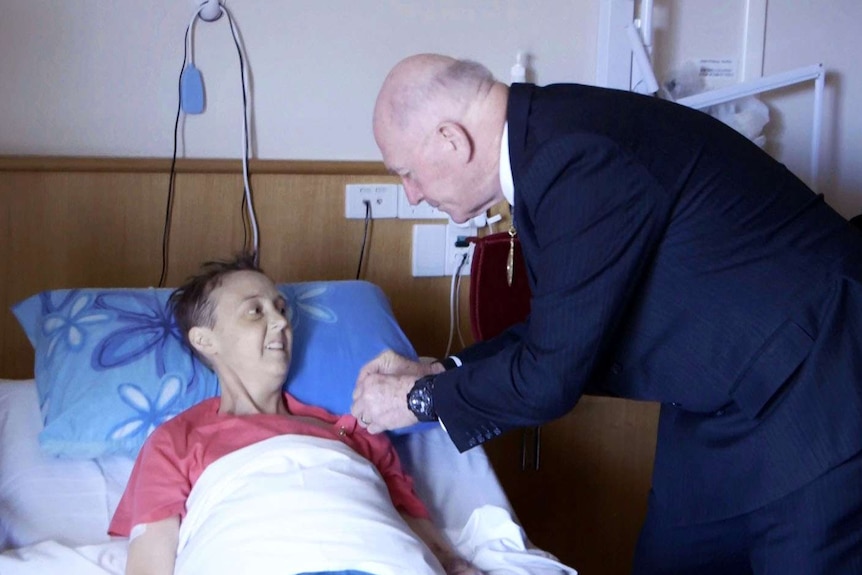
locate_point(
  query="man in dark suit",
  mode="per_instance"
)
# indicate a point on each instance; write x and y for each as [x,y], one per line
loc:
[669,259]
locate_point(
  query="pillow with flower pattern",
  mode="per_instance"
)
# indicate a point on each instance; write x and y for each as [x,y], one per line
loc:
[111,364]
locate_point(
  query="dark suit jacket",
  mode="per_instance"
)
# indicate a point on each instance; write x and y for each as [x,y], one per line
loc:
[672,260]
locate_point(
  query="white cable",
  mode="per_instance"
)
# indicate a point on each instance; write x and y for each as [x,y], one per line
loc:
[454,300]
[451,314]
[190,37]
[458,302]
[245,141]
[245,92]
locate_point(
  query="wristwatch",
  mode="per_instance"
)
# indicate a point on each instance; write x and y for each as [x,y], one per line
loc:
[420,399]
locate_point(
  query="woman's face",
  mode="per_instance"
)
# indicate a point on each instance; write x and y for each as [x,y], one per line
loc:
[252,336]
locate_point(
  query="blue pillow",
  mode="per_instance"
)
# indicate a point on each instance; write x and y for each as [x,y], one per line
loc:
[111,365]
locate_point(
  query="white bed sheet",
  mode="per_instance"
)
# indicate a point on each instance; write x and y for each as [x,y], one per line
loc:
[59,523]
[41,497]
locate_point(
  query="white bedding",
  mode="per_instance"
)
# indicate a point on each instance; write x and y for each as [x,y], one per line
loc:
[296,504]
[461,491]
[53,557]
[491,540]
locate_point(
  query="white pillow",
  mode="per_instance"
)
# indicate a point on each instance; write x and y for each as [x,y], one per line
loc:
[43,497]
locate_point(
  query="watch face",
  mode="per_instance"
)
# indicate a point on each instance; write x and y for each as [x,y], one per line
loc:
[418,403]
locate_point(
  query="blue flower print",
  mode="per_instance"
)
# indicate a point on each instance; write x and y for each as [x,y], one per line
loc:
[301,297]
[65,325]
[149,413]
[147,327]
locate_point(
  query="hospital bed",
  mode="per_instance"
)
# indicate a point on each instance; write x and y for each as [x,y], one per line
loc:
[108,368]
[84,222]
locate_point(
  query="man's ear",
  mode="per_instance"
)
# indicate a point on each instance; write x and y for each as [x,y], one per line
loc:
[201,339]
[454,138]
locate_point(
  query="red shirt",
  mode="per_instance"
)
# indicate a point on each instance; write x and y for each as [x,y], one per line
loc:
[178,451]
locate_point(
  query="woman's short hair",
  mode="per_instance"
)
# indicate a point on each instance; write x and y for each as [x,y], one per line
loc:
[190,303]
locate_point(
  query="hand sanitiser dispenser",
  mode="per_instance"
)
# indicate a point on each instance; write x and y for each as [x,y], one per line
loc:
[518,73]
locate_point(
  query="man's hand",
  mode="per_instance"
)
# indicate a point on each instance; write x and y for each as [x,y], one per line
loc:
[380,395]
[390,363]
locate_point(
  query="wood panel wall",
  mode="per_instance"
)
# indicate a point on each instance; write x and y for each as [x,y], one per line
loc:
[70,222]
[96,222]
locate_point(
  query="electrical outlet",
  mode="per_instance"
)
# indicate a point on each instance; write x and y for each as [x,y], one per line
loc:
[455,252]
[421,211]
[383,199]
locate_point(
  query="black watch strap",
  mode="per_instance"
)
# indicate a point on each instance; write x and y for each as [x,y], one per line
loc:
[420,399]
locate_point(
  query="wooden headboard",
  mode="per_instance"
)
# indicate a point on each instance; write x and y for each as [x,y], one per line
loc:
[98,222]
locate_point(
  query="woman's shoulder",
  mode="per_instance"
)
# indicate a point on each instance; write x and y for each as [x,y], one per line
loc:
[191,417]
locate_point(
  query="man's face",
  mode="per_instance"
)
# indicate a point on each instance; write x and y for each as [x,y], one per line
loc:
[429,173]
[252,334]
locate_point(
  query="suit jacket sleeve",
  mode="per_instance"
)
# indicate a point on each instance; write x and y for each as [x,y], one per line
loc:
[590,217]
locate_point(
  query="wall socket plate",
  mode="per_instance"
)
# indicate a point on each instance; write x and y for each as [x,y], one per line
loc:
[455,254]
[435,252]
[383,199]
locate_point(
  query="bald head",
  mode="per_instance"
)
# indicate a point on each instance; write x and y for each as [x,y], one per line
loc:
[438,122]
[427,88]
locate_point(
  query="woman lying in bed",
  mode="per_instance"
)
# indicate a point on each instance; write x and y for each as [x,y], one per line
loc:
[255,481]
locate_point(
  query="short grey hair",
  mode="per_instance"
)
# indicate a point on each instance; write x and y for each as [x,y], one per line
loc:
[448,90]
[463,80]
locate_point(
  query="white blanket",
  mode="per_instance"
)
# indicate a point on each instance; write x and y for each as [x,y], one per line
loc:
[497,545]
[295,504]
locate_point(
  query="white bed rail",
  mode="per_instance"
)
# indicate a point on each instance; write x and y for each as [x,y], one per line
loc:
[814,73]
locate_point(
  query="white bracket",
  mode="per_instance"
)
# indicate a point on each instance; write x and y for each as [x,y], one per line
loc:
[210,10]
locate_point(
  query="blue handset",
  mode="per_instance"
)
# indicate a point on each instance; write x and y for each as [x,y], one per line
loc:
[192,90]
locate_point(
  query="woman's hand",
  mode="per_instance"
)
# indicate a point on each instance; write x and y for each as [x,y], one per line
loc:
[460,566]
[390,363]
[451,561]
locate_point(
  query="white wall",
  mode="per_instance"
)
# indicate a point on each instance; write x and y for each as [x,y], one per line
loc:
[99,77]
[801,32]
[96,77]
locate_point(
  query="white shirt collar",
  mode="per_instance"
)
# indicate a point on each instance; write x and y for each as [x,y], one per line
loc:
[507,182]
